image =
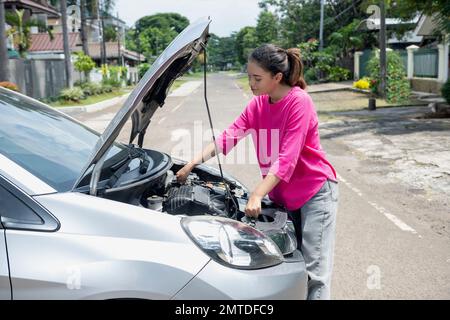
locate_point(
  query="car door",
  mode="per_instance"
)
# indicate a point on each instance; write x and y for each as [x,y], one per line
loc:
[5,287]
[20,218]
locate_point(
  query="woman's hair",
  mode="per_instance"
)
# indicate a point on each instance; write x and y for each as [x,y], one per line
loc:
[275,59]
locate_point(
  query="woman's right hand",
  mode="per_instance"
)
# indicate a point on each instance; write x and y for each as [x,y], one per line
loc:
[183,173]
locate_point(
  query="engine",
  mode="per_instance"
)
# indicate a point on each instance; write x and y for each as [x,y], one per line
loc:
[195,197]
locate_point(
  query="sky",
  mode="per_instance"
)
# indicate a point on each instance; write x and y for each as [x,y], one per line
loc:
[226,15]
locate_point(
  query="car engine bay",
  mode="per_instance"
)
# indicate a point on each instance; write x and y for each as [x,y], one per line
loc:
[204,193]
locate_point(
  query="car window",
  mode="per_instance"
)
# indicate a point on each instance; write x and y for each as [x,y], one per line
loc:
[48,144]
[13,208]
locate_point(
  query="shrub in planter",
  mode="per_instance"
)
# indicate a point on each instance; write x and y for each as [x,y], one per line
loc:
[107,88]
[363,84]
[398,88]
[75,94]
[92,88]
[445,90]
[9,85]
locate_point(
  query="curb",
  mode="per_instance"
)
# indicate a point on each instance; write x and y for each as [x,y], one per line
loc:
[93,107]
[331,90]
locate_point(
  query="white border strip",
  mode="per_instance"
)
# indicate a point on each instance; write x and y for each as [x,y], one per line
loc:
[23,178]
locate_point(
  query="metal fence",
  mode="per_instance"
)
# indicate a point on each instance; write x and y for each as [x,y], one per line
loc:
[363,60]
[367,54]
[426,63]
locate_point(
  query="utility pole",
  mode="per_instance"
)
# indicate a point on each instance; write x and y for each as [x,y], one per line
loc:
[102,19]
[119,57]
[4,65]
[382,87]
[322,5]
[67,60]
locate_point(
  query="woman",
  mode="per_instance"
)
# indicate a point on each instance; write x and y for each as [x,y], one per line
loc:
[296,174]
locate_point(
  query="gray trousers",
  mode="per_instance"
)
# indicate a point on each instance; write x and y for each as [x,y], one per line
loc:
[315,225]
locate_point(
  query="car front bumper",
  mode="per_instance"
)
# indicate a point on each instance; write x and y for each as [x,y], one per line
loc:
[287,281]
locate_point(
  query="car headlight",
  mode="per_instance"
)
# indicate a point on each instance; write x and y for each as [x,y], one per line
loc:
[232,243]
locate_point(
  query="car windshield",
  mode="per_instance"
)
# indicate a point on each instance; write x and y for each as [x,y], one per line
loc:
[47,143]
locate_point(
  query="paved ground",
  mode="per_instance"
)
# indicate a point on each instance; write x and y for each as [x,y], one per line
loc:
[393,239]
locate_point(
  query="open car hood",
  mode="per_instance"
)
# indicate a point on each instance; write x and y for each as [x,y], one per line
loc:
[150,93]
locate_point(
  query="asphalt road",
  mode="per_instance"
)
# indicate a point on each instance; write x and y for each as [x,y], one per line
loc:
[387,246]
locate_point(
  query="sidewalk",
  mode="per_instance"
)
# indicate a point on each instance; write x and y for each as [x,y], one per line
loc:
[184,90]
[330,86]
[93,107]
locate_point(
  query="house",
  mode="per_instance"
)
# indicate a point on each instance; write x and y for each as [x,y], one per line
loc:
[425,53]
[43,47]
[115,54]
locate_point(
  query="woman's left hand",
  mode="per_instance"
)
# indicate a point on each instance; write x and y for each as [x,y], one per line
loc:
[253,208]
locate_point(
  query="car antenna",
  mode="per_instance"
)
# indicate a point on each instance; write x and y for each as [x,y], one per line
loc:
[212,128]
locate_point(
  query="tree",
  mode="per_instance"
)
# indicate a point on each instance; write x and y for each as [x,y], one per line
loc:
[4,70]
[221,52]
[110,34]
[407,9]
[152,34]
[246,41]
[267,27]
[83,29]
[67,58]
[84,64]
[347,39]
[299,20]
[21,30]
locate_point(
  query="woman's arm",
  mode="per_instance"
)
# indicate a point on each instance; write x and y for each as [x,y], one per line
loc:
[205,155]
[253,208]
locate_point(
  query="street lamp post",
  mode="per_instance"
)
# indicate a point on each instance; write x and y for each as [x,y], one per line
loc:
[322,4]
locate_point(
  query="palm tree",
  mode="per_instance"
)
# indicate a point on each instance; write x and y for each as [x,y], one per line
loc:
[21,30]
[83,18]
[68,63]
[4,70]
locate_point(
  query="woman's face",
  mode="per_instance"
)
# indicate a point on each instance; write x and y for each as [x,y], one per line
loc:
[262,81]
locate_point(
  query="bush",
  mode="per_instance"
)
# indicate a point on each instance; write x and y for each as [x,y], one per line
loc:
[91,88]
[398,88]
[107,88]
[143,68]
[9,85]
[75,94]
[84,63]
[445,90]
[362,84]
[310,76]
[338,74]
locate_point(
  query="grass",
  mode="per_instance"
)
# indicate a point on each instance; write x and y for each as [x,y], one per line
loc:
[177,83]
[242,82]
[350,101]
[91,99]
[192,76]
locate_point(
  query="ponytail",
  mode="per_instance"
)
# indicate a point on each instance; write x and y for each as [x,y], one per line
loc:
[295,75]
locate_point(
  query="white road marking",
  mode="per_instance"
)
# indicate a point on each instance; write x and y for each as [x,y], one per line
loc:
[161,120]
[177,107]
[394,219]
[348,184]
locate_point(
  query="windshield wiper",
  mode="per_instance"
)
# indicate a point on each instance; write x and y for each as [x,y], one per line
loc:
[133,153]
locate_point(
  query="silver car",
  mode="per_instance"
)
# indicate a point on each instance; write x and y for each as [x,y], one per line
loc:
[86,217]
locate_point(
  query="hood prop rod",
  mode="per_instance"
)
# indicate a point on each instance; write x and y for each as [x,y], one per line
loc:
[212,129]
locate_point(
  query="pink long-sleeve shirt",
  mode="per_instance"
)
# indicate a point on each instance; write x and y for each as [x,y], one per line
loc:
[286,137]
